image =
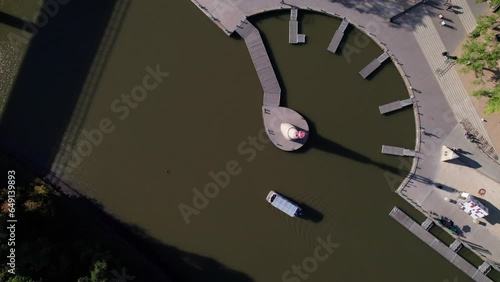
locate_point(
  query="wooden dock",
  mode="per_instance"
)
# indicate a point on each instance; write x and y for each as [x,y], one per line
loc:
[438,246]
[397,151]
[262,63]
[371,67]
[293,28]
[394,106]
[337,37]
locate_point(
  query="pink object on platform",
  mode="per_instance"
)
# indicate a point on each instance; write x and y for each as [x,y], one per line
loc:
[300,134]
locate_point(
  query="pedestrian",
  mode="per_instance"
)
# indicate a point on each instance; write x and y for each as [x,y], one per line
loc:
[483,120]
[444,53]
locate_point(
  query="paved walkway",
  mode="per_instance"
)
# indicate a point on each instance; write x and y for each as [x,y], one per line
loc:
[432,45]
[415,41]
[467,17]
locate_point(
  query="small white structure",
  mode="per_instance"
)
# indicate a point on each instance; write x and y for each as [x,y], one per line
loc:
[473,206]
[290,132]
[447,154]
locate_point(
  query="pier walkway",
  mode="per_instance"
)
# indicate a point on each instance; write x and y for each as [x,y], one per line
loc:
[438,246]
[337,37]
[394,106]
[371,67]
[293,28]
[262,63]
[272,113]
[397,151]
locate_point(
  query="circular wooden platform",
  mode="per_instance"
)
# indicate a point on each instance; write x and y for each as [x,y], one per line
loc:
[274,117]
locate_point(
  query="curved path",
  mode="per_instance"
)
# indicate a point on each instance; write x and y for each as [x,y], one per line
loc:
[414,39]
[274,115]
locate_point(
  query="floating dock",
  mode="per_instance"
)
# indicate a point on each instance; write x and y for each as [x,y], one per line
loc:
[456,245]
[293,28]
[427,224]
[394,106]
[397,151]
[261,62]
[371,67]
[438,246]
[337,37]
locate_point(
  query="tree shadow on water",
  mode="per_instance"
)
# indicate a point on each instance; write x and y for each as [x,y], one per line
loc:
[147,258]
[46,100]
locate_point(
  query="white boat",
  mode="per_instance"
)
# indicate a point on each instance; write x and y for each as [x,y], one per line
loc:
[283,204]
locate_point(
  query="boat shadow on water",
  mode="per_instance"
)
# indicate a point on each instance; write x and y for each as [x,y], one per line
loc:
[309,213]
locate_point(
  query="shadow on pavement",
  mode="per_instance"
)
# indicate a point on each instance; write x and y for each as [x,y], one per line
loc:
[463,160]
[493,212]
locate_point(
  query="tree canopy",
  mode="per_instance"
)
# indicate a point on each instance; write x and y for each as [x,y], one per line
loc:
[493,3]
[494,96]
[49,245]
[480,53]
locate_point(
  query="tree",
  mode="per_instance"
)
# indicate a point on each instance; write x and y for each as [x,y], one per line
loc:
[483,24]
[98,273]
[493,105]
[19,278]
[478,55]
[493,3]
